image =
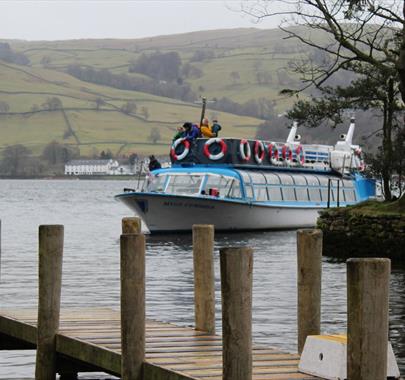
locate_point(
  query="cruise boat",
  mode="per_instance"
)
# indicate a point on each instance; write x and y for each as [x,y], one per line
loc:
[250,184]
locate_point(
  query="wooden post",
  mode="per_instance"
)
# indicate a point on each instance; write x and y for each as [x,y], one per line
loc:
[367,310]
[236,288]
[132,306]
[309,278]
[204,278]
[131,225]
[50,282]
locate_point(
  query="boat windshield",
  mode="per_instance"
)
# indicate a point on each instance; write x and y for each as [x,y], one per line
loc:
[195,184]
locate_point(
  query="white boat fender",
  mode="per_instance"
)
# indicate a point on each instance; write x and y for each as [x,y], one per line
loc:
[300,156]
[179,141]
[244,150]
[286,154]
[259,151]
[325,356]
[273,153]
[215,140]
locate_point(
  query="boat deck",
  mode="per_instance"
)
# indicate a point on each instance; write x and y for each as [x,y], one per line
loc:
[91,338]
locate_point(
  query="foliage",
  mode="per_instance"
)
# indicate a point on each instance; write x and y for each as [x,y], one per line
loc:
[125,82]
[15,160]
[161,66]
[129,107]
[8,55]
[154,135]
[55,153]
[4,107]
[52,103]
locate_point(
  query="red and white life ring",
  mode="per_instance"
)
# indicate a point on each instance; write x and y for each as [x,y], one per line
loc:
[259,151]
[273,153]
[244,150]
[299,154]
[359,161]
[179,141]
[286,154]
[215,140]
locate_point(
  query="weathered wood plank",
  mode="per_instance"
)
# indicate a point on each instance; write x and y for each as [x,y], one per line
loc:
[172,352]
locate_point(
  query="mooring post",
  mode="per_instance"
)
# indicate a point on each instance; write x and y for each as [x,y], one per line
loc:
[367,314]
[50,282]
[132,306]
[236,289]
[204,277]
[131,225]
[309,278]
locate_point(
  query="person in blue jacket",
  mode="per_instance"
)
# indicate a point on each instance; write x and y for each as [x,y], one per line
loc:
[191,131]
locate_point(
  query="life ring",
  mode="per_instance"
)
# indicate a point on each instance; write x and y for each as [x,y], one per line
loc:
[299,154]
[273,153]
[259,151]
[186,143]
[286,154]
[215,140]
[359,161]
[244,145]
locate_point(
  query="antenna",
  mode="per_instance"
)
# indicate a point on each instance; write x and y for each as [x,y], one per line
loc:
[204,102]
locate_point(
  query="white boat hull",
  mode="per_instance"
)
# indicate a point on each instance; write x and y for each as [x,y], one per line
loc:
[163,213]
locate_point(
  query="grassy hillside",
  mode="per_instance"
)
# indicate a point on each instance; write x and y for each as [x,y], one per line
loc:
[240,64]
[25,89]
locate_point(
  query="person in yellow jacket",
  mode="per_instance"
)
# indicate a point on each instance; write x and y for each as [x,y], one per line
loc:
[206,130]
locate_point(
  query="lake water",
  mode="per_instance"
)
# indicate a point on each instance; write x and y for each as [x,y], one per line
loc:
[92,220]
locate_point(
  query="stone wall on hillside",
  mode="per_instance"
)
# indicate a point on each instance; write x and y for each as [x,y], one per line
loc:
[346,234]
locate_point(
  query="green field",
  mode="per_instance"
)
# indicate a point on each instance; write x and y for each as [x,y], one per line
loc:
[27,88]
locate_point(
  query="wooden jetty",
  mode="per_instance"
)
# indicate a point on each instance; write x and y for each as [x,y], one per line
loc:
[89,340]
[124,343]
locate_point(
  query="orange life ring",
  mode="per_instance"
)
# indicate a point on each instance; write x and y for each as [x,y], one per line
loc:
[244,144]
[179,141]
[218,156]
[259,151]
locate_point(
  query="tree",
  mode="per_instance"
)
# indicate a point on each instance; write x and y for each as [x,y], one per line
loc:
[15,159]
[52,104]
[144,112]
[129,107]
[364,38]
[235,77]
[99,102]
[56,153]
[384,97]
[154,135]
[4,107]
[365,31]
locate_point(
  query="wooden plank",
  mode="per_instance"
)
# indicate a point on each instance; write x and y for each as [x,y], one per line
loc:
[172,352]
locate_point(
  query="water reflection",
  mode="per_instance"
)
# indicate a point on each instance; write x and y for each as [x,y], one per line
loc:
[92,222]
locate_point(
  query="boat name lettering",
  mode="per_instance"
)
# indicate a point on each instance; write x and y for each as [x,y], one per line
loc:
[187,205]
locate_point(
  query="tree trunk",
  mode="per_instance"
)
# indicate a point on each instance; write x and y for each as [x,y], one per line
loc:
[401,62]
[389,105]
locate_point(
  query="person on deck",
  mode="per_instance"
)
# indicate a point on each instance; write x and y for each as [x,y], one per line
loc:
[215,127]
[191,131]
[179,134]
[153,163]
[206,130]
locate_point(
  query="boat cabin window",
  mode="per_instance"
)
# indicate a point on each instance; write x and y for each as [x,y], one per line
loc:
[184,183]
[157,183]
[275,194]
[272,179]
[228,187]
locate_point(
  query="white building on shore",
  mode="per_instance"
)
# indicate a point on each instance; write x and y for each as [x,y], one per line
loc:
[94,167]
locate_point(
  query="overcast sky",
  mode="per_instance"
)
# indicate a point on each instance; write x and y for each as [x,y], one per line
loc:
[61,19]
